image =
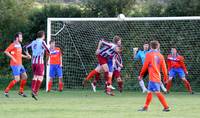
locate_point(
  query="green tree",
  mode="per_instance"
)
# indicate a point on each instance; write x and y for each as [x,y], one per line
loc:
[107,8]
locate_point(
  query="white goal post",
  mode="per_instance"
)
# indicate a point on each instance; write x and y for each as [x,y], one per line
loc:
[132,28]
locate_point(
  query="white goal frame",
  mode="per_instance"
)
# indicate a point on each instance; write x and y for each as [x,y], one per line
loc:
[49,20]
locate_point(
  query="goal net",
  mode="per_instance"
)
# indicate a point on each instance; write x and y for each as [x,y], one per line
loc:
[79,37]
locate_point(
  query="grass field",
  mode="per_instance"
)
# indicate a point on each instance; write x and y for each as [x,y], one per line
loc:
[86,104]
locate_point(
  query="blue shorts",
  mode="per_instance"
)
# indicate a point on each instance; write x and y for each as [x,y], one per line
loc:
[174,71]
[18,70]
[55,71]
[154,86]
[110,65]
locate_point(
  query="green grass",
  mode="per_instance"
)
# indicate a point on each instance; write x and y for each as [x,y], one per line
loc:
[86,104]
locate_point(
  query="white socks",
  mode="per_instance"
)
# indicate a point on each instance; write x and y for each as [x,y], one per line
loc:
[141,83]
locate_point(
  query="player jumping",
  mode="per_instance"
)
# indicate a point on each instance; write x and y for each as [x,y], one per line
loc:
[105,51]
[153,62]
[55,66]
[14,51]
[176,65]
[38,47]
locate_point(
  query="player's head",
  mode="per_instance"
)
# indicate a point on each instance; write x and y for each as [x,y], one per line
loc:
[118,49]
[154,45]
[18,37]
[117,40]
[173,51]
[52,43]
[41,34]
[146,45]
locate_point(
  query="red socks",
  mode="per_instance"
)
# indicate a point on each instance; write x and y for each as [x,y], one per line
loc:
[97,77]
[91,74]
[33,83]
[22,84]
[162,100]
[37,86]
[148,100]
[120,85]
[50,85]
[60,88]
[169,84]
[10,86]
[160,97]
[187,85]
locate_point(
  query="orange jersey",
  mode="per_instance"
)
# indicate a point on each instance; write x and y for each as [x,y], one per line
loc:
[176,62]
[55,56]
[153,62]
[16,51]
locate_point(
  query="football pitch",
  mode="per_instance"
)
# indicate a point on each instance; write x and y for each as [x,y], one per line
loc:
[86,104]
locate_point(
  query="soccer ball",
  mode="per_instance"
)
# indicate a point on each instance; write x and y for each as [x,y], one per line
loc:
[121,16]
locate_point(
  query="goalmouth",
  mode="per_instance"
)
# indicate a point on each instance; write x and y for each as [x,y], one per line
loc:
[78,38]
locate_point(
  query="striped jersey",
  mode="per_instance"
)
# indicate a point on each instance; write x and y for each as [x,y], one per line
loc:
[117,60]
[108,49]
[38,47]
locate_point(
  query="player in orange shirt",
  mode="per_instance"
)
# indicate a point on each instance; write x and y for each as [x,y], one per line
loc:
[176,65]
[55,66]
[14,51]
[153,62]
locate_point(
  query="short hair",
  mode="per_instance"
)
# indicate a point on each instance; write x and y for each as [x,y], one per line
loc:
[154,44]
[51,41]
[17,35]
[40,34]
[146,42]
[116,39]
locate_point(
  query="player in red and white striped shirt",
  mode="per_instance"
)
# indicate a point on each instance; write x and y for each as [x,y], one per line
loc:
[38,47]
[105,51]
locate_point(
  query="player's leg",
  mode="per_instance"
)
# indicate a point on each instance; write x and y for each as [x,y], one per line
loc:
[16,74]
[117,75]
[52,74]
[92,74]
[34,80]
[172,73]
[23,77]
[60,76]
[38,84]
[120,84]
[155,87]
[94,83]
[108,78]
[148,97]
[39,73]
[110,75]
[50,84]
[141,83]
[185,81]
[162,101]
